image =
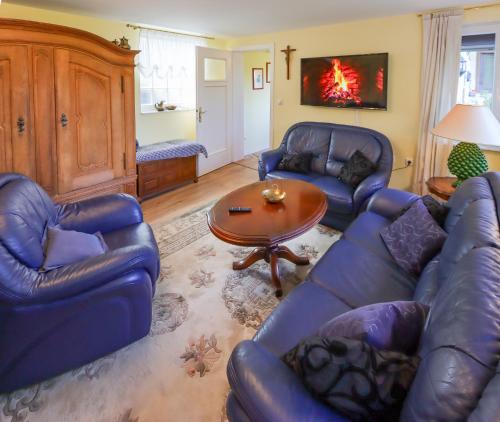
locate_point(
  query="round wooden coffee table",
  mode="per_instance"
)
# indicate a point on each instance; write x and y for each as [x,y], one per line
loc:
[268,225]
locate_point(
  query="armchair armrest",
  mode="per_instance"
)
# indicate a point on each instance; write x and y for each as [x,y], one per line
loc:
[390,202]
[77,278]
[104,214]
[270,391]
[368,187]
[268,161]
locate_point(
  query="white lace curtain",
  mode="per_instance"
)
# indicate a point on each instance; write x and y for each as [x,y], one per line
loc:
[167,67]
[442,33]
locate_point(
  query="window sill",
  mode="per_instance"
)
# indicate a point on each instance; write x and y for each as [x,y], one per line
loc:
[177,110]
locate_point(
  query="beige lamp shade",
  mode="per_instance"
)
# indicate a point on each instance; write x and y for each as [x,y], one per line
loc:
[470,123]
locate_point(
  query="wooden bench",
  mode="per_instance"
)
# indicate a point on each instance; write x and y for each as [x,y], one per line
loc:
[156,175]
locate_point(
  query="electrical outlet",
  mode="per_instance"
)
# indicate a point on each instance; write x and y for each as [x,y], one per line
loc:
[408,161]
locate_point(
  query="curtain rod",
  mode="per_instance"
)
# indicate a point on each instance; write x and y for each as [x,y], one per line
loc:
[483,6]
[129,25]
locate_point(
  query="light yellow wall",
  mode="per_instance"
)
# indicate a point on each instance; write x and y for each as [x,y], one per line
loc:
[257,103]
[153,127]
[401,37]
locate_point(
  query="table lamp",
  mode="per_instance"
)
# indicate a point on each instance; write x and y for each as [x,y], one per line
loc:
[472,126]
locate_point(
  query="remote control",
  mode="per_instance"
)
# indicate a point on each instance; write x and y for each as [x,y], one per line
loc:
[240,209]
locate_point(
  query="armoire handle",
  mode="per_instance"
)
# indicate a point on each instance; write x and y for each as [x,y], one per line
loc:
[64,120]
[21,125]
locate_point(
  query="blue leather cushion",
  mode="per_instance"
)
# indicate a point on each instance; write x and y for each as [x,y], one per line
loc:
[386,326]
[312,139]
[460,345]
[358,277]
[353,377]
[293,320]
[65,247]
[345,141]
[339,195]
[282,174]
[414,238]
[25,211]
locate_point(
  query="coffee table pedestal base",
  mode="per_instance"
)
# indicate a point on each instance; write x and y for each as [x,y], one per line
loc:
[271,255]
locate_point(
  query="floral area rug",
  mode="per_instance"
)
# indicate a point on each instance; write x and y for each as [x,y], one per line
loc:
[202,309]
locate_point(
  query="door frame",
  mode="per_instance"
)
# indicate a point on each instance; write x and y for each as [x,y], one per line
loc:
[238,131]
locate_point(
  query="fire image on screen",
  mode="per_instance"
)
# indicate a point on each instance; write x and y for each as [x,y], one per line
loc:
[345,81]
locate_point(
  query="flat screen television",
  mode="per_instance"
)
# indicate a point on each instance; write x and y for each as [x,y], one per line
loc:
[358,81]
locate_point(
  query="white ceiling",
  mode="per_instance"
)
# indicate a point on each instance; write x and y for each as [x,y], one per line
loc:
[233,18]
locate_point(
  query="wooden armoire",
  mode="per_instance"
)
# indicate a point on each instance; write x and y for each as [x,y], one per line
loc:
[67,115]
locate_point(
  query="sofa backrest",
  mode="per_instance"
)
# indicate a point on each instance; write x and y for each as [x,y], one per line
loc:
[460,345]
[25,210]
[333,144]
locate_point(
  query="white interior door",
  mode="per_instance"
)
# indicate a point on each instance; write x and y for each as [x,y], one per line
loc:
[214,108]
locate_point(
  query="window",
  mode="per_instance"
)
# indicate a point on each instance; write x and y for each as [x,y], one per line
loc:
[479,76]
[167,69]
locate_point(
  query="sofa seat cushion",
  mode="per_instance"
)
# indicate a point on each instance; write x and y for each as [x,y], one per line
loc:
[359,277]
[339,195]
[282,174]
[294,319]
[365,232]
[270,391]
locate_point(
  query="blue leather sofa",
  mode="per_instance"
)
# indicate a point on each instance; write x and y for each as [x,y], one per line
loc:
[59,320]
[459,375]
[332,145]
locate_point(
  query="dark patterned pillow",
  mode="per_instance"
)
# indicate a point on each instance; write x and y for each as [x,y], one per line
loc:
[437,209]
[356,379]
[298,163]
[414,238]
[356,169]
[393,326]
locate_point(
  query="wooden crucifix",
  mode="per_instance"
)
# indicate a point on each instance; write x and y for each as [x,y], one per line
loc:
[288,51]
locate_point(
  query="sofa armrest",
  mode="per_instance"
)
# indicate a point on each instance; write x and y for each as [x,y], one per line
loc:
[270,391]
[79,277]
[368,187]
[268,161]
[103,214]
[390,202]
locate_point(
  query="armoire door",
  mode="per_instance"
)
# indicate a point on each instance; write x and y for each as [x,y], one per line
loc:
[89,113]
[44,117]
[16,134]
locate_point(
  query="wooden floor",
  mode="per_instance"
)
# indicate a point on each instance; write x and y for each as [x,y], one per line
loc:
[210,187]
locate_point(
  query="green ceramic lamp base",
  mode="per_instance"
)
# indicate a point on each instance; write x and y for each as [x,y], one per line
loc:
[466,160]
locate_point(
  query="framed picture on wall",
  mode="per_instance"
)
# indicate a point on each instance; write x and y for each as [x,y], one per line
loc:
[268,75]
[257,78]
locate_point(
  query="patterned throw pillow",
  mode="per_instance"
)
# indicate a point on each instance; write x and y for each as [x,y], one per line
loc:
[437,209]
[393,326]
[298,163]
[414,238]
[357,380]
[356,169]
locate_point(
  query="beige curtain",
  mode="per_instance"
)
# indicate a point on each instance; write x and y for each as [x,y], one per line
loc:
[439,80]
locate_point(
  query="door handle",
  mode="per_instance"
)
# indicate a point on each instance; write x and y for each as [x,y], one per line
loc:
[200,114]
[21,125]
[64,120]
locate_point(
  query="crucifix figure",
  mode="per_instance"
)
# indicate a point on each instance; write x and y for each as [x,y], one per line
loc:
[287,52]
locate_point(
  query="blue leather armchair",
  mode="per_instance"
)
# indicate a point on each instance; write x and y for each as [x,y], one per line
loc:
[458,377]
[59,320]
[332,145]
